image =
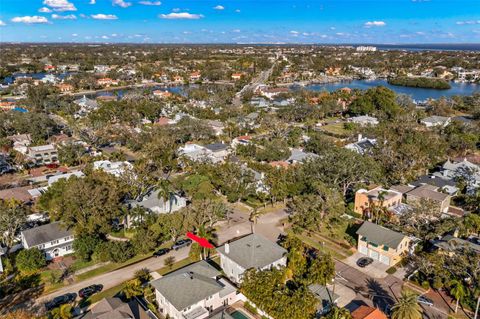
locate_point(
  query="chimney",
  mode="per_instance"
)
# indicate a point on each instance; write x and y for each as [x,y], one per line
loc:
[360,137]
[227,248]
[455,233]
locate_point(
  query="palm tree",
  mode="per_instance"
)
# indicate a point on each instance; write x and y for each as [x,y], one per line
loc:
[253,218]
[457,290]
[166,192]
[339,313]
[407,307]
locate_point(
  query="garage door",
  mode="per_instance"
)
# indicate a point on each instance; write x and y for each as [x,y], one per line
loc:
[373,254]
[363,250]
[385,260]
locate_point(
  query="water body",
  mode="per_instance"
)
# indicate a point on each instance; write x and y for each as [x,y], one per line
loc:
[418,94]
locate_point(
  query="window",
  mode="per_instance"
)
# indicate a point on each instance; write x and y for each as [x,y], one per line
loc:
[54,242]
[373,244]
[385,247]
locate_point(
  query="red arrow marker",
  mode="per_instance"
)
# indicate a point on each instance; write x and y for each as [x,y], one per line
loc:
[201,241]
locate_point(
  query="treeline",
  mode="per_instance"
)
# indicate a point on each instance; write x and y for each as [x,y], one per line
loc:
[420,82]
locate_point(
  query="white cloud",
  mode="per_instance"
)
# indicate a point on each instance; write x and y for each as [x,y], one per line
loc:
[468,22]
[101,16]
[236,30]
[237,11]
[294,32]
[81,15]
[65,17]
[150,3]
[181,15]
[60,5]
[30,19]
[92,2]
[104,37]
[121,3]
[44,10]
[2,24]
[74,34]
[375,24]
[219,7]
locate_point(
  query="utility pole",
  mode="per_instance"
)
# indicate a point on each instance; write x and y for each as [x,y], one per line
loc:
[476,309]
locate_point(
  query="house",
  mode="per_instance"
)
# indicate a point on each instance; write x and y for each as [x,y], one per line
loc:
[214,153]
[114,168]
[86,105]
[5,166]
[43,155]
[241,140]
[219,151]
[451,244]
[107,82]
[299,156]
[20,194]
[237,76]
[251,251]
[162,94]
[378,196]
[216,126]
[65,87]
[154,202]
[193,292]
[366,312]
[52,239]
[20,142]
[364,120]
[461,169]
[195,76]
[115,308]
[429,193]
[382,244]
[326,298]
[270,93]
[363,145]
[436,120]
[448,186]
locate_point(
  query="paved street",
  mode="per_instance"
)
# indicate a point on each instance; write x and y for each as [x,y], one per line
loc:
[117,277]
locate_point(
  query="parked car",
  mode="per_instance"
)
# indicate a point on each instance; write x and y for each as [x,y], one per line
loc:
[424,300]
[181,243]
[364,262]
[60,300]
[90,290]
[161,252]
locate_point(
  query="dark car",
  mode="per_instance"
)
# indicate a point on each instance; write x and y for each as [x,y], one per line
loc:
[424,300]
[60,300]
[90,290]
[181,243]
[364,262]
[161,252]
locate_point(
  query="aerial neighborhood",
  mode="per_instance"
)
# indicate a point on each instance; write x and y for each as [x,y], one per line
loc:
[238,181]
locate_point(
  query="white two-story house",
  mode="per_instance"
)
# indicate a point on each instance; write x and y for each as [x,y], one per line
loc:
[252,251]
[53,239]
[193,292]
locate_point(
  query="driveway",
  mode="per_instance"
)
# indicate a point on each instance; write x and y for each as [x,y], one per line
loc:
[375,269]
[268,225]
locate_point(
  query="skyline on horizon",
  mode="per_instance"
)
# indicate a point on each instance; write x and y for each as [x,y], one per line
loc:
[233,21]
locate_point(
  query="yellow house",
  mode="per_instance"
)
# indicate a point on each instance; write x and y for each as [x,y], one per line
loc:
[382,244]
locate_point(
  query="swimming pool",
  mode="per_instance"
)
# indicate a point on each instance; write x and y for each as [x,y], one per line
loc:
[237,314]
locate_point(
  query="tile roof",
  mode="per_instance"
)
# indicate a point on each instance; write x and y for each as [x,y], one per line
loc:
[366,312]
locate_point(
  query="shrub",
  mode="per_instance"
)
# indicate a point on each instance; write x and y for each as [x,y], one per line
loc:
[392,270]
[250,308]
[143,275]
[115,251]
[85,246]
[30,260]
[425,285]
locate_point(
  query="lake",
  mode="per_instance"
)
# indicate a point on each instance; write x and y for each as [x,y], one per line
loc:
[417,94]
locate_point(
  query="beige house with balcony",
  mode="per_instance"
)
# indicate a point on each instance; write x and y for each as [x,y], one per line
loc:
[382,244]
[378,196]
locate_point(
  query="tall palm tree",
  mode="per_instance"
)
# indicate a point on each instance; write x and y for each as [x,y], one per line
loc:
[457,290]
[166,192]
[339,313]
[407,307]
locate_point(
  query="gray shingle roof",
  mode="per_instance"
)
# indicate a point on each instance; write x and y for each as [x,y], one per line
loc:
[253,251]
[114,308]
[189,285]
[380,235]
[45,233]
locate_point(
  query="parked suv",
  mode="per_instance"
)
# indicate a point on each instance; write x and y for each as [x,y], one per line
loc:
[60,300]
[90,290]
[364,261]
[161,252]
[181,243]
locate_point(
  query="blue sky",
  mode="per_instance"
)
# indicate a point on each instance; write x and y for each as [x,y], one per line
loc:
[241,21]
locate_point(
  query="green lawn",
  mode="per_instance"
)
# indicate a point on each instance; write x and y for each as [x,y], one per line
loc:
[177,265]
[323,244]
[336,129]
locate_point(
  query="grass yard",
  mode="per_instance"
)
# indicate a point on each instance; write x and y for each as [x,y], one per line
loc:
[336,129]
[177,265]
